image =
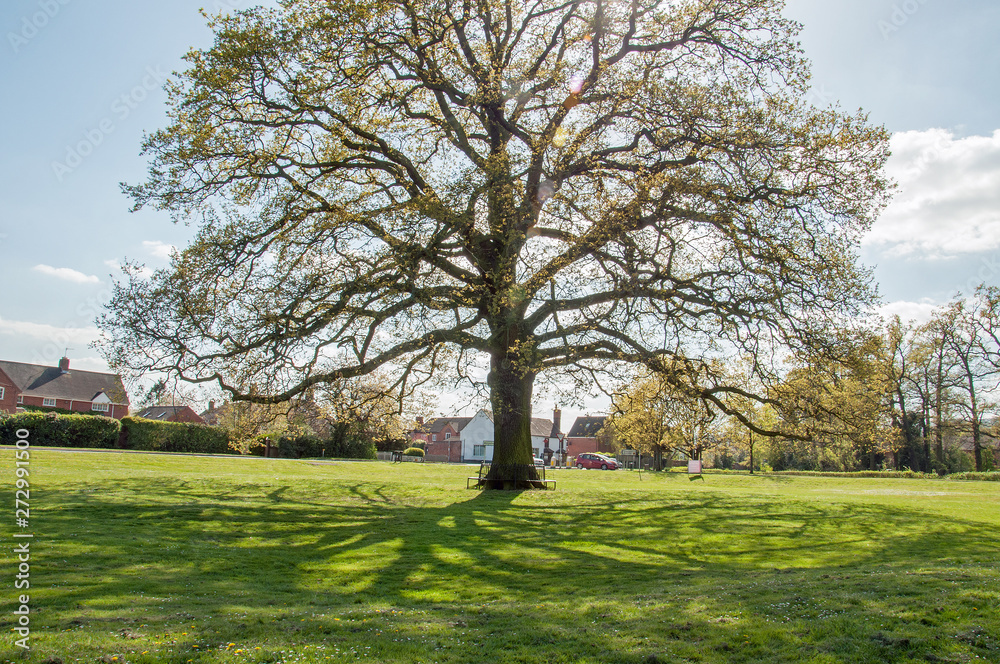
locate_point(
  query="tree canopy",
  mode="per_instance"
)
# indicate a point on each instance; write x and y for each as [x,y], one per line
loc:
[555,187]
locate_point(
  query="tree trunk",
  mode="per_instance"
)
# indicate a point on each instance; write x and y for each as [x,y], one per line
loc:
[751,452]
[977,448]
[938,406]
[510,393]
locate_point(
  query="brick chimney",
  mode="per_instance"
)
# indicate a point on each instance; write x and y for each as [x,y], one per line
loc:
[420,421]
[556,423]
[64,365]
[211,404]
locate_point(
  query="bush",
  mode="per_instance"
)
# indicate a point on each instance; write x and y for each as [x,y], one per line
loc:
[891,474]
[308,445]
[296,447]
[351,448]
[413,451]
[52,430]
[982,477]
[157,436]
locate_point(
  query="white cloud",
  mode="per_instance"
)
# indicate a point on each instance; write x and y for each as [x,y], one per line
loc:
[916,311]
[158,249]
[89,364]
[79,336]
[948,201]
[67,274]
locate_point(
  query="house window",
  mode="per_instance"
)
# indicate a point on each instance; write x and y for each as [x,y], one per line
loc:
[478,450]
[48,402]
[103,407]
[20,398]
[1,393]
[447,436]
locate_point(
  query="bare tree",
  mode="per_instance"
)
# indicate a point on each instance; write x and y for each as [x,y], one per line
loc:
[544,188]
[965,340]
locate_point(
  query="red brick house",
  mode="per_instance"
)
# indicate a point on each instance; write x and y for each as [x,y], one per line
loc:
[587,435]
[442,437]
[90,392]
[171,414]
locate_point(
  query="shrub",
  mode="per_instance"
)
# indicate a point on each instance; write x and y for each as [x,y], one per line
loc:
[413,451]
[308,445]
[52,430]
[982,477]
[296,447]
[351,448]
[154,435]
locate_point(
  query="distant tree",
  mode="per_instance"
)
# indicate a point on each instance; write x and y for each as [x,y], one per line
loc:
[160,393]
[363,408]
[842,403]
[655,417]
[976,375]
[552,188]
[762,416]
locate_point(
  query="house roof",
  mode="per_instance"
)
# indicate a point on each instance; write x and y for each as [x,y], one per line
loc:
[587,426]
[438,424]
[35,380]
[541,427]
[162,412]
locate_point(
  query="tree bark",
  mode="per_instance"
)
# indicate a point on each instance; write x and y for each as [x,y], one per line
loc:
[938,406]
[510,393]
[977,448]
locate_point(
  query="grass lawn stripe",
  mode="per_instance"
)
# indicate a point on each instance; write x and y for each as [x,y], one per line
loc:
[146,558]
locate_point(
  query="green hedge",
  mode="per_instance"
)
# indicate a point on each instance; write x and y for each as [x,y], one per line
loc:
[51,430]
[307,446]
[157,436]
[993,476]
[413,451]
[351,449]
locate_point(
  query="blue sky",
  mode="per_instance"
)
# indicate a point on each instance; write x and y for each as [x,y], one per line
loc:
[77,72]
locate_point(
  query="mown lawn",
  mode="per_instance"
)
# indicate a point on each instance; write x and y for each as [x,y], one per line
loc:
[148,558]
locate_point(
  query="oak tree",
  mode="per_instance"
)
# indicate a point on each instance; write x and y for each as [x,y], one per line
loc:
[551,187]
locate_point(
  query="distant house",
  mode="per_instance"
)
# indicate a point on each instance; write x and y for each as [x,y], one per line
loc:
[171,414]
[91,392]
[470,439]
[214,414]
[587,435]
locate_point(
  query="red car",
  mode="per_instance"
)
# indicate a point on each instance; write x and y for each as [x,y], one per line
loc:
[592,460]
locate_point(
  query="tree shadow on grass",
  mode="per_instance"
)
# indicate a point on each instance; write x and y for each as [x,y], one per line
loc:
[607,580]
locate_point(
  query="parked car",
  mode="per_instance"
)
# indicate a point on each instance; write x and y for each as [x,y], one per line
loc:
[539,461]
[592,460]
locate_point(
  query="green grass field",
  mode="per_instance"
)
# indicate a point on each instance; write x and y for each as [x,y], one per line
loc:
[150,558]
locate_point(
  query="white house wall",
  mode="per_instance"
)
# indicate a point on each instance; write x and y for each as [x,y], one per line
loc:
[478,431]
